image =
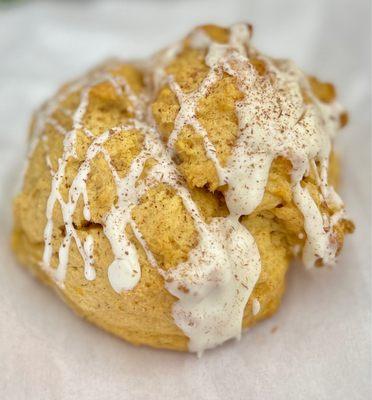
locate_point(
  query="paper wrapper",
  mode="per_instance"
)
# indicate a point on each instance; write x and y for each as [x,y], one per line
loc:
[318,346]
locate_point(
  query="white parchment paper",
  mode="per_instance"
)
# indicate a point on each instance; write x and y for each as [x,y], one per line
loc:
[319,344]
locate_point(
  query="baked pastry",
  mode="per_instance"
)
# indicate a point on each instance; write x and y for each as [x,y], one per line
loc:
[164,199]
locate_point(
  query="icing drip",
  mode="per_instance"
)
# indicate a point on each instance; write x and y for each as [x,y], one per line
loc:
[215,283]
[186,116]
[89,271]
[255,307]
[220,276]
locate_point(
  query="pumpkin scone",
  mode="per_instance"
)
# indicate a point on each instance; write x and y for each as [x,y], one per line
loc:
[164,199]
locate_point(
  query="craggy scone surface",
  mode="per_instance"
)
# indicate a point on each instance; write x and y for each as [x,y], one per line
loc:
[113,98]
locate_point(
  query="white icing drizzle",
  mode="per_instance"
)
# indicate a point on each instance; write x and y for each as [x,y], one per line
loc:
[89,271]
[215,283]
[255,307]
[157,64]
[219,276]
[187,116]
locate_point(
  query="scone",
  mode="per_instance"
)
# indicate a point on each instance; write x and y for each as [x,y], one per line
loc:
[164,199]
